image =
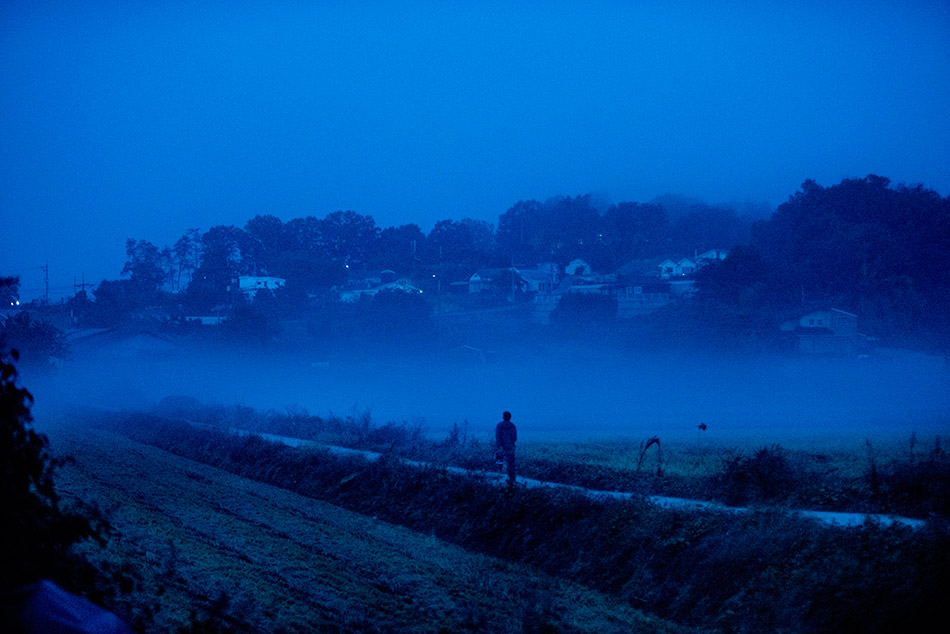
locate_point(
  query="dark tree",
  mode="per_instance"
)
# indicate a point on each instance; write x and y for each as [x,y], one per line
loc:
[306,264]
[452,243]
[861,246]
[39,342]
[186,256]
[9,291]
[349,238]
[400,248]
[631,231]
[145,267]
[220,264]
[37,533]
[263,241]
[114,302]
[518,237]
[743,280]
[482,235]
[704,227]
[571,229]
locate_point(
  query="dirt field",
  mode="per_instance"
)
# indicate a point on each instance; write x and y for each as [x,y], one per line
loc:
[203,540]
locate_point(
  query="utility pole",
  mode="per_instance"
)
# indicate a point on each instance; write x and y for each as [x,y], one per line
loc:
[46,277]
[77,288]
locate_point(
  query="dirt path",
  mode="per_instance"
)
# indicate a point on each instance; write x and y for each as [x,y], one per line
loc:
[287,561]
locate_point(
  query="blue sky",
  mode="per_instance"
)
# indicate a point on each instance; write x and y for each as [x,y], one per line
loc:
[144,119]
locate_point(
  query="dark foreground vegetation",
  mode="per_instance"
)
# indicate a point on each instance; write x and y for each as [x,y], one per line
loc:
[37,531]
[763,571]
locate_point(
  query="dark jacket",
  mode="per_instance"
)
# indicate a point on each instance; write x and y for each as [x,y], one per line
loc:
[506,435]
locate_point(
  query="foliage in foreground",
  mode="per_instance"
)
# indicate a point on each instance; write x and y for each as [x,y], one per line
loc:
[763,571]
[37,532]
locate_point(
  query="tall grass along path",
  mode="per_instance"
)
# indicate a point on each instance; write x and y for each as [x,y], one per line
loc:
[827,517]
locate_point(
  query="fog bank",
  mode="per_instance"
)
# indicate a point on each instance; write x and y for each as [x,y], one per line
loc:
[571,393]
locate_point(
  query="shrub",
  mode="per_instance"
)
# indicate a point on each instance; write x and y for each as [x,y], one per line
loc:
[766,476]
[41,344]
[37,533]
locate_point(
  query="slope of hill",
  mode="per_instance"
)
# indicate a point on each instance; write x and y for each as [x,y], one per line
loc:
[194,545]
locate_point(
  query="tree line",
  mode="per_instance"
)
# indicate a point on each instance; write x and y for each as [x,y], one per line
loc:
[861,246]
[318,253]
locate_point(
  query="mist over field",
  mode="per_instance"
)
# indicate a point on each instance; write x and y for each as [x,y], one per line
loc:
[567,391]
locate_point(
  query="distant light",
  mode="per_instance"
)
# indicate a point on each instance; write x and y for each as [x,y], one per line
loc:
[433,276]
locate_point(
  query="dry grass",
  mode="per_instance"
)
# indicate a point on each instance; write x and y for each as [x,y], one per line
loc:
[195,545]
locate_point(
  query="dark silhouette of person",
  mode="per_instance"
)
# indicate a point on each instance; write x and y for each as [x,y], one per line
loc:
[506,435]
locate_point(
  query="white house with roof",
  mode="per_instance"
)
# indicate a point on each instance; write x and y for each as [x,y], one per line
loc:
[828,332]
[482,279]
[542,279]
[670,268]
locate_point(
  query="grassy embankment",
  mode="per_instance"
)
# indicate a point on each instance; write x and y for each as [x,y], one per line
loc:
[762,571]
[910,478]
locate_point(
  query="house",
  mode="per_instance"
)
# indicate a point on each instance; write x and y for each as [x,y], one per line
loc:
[684,267]
[677,268]
[205,320]
[369,283]
[482,280]
[830,332]
[250,284]
[642,296]
[401,285]
[542,279]
[713,255]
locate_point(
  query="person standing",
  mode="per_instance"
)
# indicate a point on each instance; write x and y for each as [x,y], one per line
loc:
[506,435]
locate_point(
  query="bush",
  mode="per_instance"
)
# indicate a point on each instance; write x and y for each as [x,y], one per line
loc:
[38,342]
[37,533]
[766,476]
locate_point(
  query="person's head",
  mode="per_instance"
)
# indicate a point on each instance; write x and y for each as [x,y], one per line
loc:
[506,415]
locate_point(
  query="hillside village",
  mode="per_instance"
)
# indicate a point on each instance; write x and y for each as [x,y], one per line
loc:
[833,271]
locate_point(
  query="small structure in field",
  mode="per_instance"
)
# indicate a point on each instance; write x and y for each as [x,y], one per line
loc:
[831,332]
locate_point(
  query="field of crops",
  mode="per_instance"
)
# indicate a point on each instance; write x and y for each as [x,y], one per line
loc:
[215,528]
[196,547]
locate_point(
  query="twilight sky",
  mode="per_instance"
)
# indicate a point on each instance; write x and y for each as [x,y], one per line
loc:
[143,119]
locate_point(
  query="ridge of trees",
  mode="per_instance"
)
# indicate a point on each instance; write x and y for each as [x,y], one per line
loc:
[313,253]
[860,246]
